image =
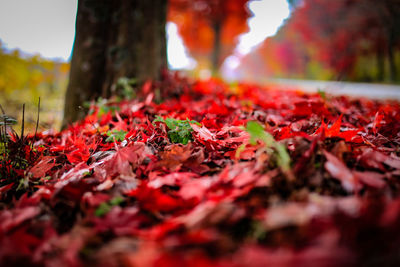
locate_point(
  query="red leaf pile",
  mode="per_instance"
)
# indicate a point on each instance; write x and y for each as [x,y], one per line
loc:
[219,200]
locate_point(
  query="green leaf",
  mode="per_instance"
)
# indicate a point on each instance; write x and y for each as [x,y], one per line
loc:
[283,157]
[193,122]
[105,207]
[171,123]
[23,184]
[322,94]
[258,231]
[125,87]
[180,131]
[239,150]
[103,106]
[116,135]
[257,133]
[116,201]
[158,119]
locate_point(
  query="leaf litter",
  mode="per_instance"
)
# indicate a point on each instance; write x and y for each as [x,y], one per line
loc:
[212,176]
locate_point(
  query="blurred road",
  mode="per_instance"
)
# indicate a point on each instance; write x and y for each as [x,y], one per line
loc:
[375,91]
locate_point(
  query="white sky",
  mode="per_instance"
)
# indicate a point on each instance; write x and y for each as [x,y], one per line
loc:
[39,26]
[268,17]
[47,27]
[178,57]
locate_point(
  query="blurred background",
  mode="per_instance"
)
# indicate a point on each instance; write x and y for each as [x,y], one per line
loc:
[260,41]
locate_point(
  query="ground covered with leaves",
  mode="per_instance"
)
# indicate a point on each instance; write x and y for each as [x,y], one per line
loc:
[215,175]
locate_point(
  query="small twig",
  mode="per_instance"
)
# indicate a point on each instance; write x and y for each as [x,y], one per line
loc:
[21,139]
[2,135]
[5,126]
[37,120]
[23,122]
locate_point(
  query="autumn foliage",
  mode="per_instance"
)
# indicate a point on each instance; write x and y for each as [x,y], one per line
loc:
[23,78]
[265,177]
[209,28]
[344,39]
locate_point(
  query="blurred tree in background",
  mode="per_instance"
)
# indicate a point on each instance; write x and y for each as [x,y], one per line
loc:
[30,75]
[23,79]
[343,39]
[210,28]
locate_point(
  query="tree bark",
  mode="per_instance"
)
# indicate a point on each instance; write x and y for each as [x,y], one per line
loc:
[88,58]
[216,53]
[114,39]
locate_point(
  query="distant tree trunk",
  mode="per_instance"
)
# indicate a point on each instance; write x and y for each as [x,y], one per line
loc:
[392,63]
[114,39]
[380,63]
[216,53]
[390,17]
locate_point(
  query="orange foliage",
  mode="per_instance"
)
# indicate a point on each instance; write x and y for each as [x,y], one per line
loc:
[197,19]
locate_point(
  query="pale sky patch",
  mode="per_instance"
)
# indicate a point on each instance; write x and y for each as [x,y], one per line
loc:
[39,26]
[178,57]
[47,27]
[268,17]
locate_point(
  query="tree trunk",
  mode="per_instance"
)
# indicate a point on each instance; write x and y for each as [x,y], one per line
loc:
[392,63]
[88,58]
[216,53]
[114,39]
[380,63]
